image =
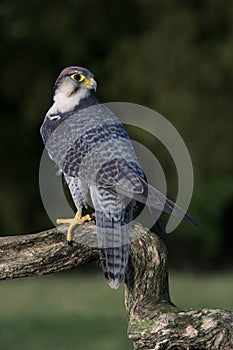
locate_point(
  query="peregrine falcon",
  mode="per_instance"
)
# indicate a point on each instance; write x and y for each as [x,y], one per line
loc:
[95,154]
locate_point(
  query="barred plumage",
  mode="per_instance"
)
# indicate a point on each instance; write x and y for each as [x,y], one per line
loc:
[91,147]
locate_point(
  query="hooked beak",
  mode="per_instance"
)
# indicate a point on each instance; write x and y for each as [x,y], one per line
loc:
[90,84]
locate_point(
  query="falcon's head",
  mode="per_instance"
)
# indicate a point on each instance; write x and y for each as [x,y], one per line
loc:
[74,82]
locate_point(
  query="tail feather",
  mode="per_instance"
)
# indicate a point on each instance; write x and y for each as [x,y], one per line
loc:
[114,248]
[114,262]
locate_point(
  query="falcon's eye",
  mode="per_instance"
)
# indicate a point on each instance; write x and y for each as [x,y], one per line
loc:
[77,77]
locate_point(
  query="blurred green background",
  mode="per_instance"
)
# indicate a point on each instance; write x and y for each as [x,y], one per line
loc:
[173,56]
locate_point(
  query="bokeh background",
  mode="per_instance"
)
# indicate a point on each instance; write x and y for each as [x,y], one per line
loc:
[173,56]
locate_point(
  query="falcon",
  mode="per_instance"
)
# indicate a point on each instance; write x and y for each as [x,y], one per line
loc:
[93,151]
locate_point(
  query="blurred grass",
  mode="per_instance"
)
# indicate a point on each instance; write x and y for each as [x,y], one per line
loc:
[202,290]
[79,311]
[62,312]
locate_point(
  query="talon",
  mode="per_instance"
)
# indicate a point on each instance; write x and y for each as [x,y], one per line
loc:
[77,220]
[69,243]
[86,218]
[93,217]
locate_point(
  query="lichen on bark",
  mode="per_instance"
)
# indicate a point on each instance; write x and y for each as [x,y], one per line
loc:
[154,322]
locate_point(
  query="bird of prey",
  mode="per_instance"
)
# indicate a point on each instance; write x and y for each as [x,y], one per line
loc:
[95,154]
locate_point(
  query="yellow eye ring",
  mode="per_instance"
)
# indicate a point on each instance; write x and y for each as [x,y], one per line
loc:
[78,77]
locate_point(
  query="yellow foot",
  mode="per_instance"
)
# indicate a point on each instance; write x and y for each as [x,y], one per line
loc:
[77,220]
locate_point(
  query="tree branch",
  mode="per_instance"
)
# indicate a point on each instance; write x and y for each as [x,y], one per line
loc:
[43,252]
[154,322]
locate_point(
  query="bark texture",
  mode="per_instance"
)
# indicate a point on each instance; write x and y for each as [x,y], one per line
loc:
[154,322]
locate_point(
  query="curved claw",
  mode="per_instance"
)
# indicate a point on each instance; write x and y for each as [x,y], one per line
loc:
[77,220]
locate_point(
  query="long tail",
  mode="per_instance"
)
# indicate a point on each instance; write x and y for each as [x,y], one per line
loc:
[113,236]
[114,262]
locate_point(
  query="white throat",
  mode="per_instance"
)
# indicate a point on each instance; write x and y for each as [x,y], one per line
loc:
[63,103]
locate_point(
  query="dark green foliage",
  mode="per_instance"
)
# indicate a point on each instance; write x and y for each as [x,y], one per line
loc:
[211,244]
[173,56]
